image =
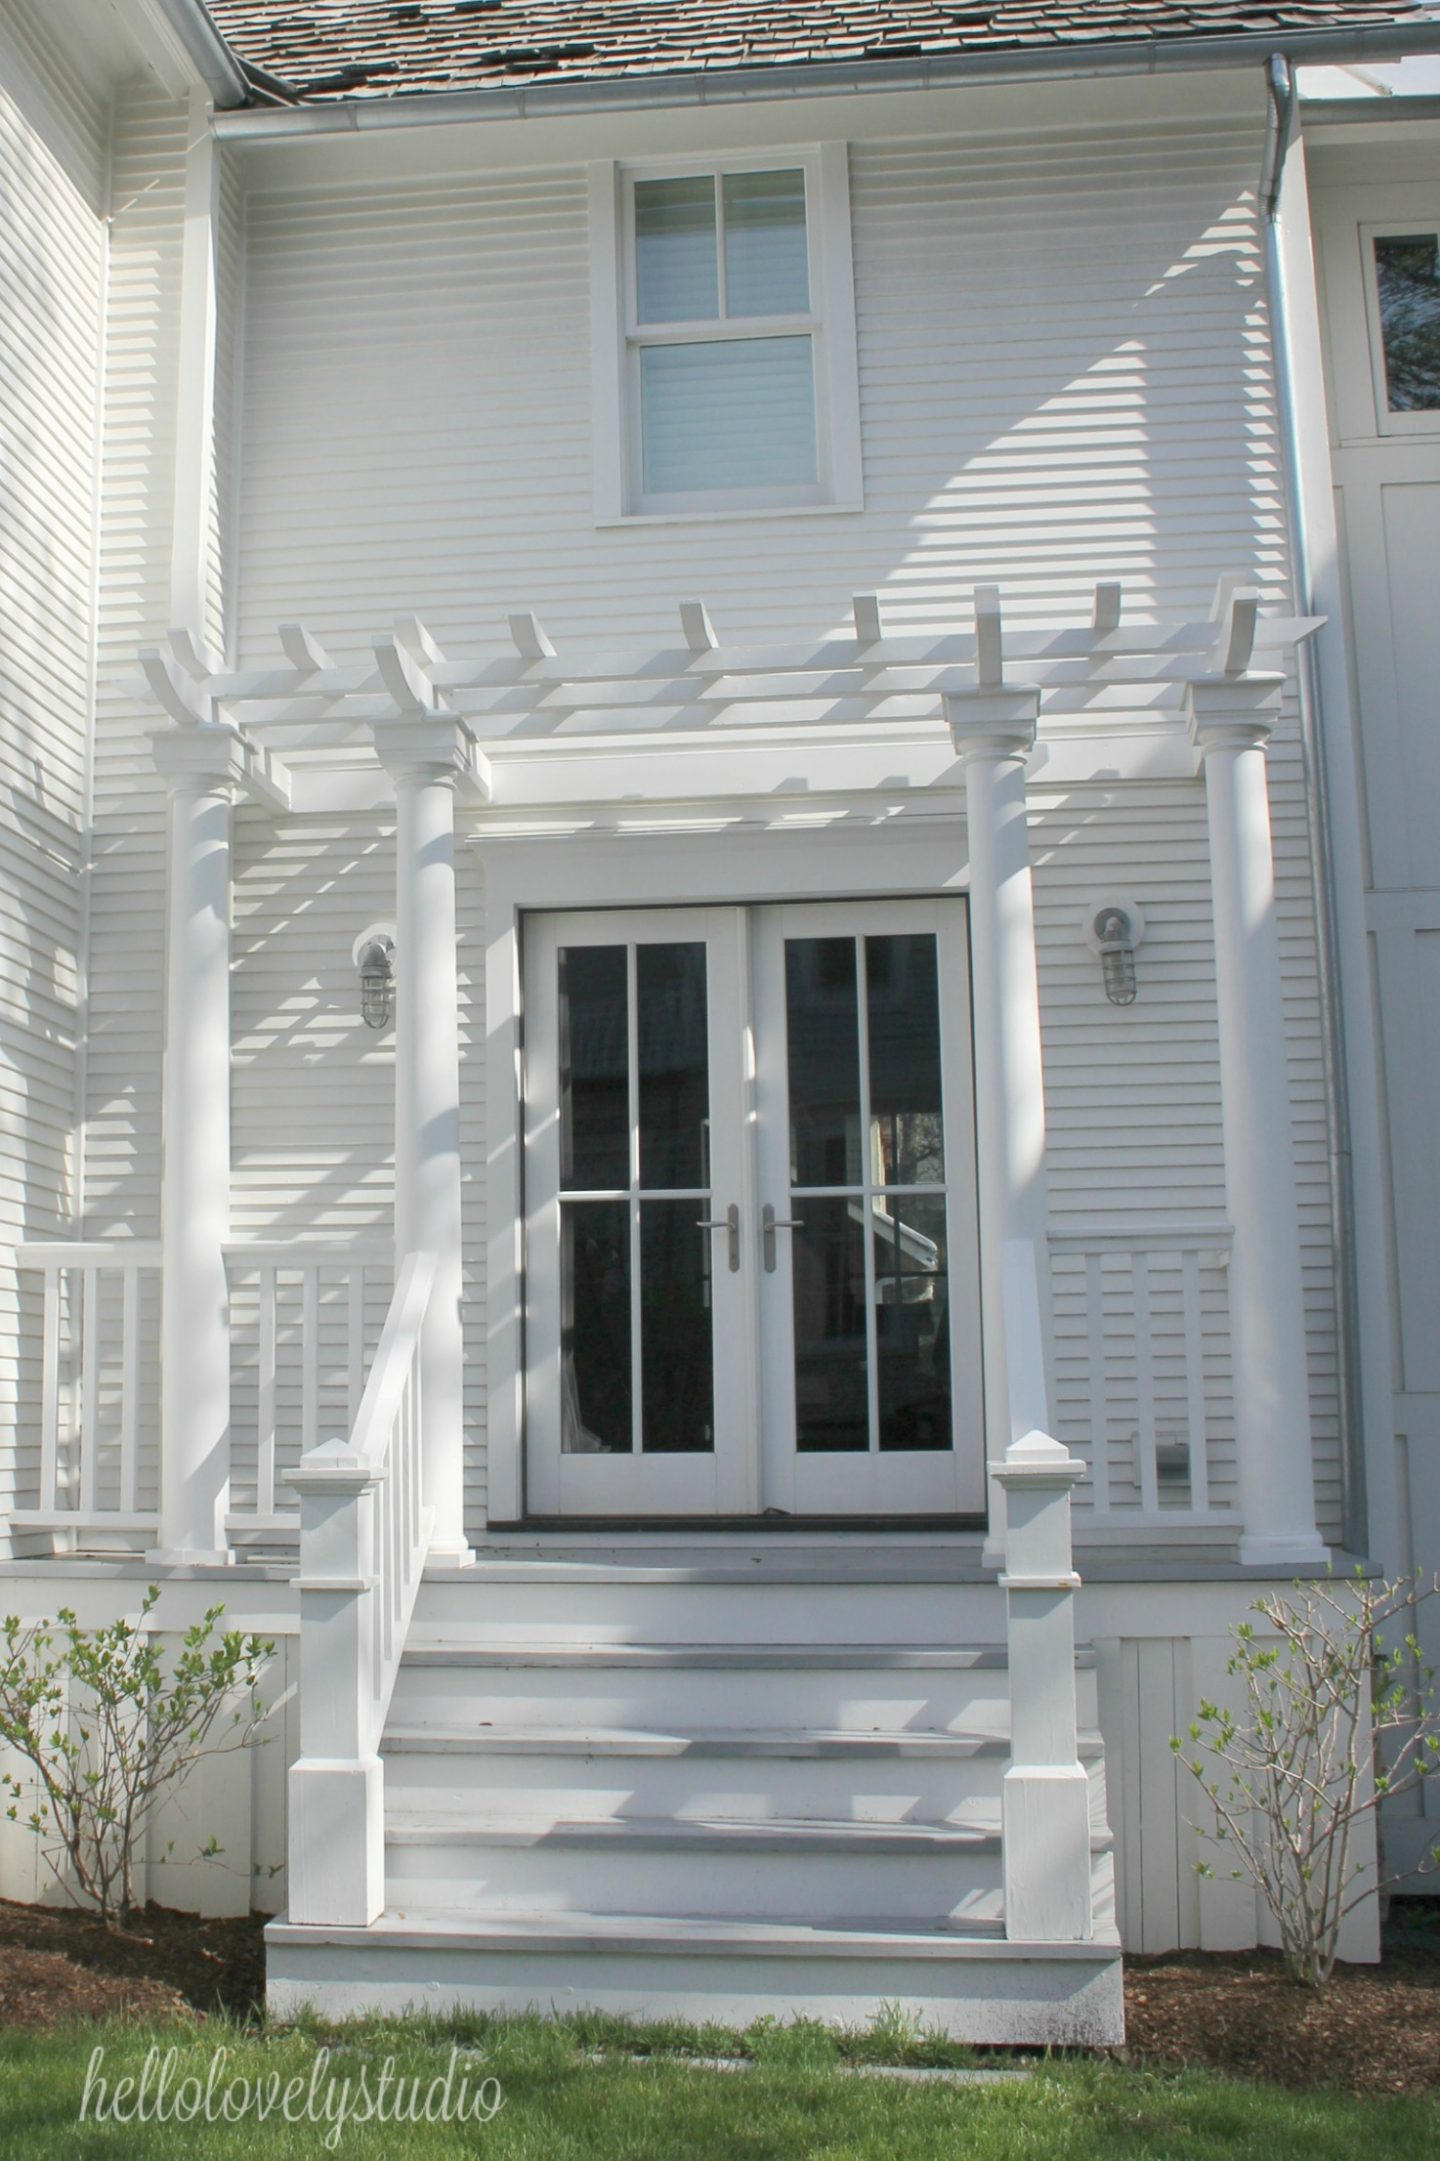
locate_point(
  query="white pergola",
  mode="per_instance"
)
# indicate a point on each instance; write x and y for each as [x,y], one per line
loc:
[537,740]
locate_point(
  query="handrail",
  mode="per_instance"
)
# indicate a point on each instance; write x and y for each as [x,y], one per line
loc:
[84,1253]
[364,1535]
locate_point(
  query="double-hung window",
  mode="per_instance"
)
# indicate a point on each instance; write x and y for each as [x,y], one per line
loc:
[724,337]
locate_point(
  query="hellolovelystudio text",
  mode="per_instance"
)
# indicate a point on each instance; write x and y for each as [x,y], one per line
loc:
[166,2090]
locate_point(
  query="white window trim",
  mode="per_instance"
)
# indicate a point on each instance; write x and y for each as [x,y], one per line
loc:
[830,323]
[1427,420]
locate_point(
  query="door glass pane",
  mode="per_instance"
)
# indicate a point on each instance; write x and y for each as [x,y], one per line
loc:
[823,1038]
[677,1388]
[676,277]
[766,271]
[1407,274]
[595,1406]
[674,1065]
[736,413]
[912,1333]
[594,1069]
[832,1396]
[902,999]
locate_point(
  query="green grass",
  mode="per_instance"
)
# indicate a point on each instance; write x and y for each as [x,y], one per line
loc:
[573,2090]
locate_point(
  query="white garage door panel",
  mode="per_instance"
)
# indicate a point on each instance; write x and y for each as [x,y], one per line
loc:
[1411,521]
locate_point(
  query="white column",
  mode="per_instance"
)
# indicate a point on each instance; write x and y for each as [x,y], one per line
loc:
[993,734]
[204,767]
[1230,724]
[425,758]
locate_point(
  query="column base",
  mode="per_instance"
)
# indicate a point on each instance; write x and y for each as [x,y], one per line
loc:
[191,1557]
[447,1554]
[1307,1555]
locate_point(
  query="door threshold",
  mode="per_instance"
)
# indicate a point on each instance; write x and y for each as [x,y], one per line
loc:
[747,1526]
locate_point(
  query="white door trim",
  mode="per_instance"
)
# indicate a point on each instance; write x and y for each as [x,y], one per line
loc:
[893,856]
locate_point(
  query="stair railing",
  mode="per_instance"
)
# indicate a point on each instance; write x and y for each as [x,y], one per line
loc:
[1045,1807]
[364,1535]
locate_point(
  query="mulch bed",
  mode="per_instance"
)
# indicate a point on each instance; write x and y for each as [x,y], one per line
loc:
[1375,2029]
[57,1965]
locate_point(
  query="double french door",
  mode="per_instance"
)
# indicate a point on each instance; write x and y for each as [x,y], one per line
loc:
[751,1256]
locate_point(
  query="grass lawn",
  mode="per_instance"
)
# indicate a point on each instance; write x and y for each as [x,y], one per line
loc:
[571,2089]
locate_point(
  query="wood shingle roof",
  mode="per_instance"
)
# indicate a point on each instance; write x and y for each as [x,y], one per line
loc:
[330,49]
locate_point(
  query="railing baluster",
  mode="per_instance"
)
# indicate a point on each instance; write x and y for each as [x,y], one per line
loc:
[50,1393]
[1144,1382]
[265,1386]
[1195,1383]
[89,1387]
[1098,1390]
[130,1389]
[355,1344]
[309,1356]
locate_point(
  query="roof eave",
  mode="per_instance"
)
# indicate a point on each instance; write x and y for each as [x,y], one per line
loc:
[190,24]
[1139,56]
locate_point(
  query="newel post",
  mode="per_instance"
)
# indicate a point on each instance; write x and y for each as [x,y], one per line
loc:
[336,1845]
[427,757]
[993,733]
[1045,1805]
[1230,724]
[203,767]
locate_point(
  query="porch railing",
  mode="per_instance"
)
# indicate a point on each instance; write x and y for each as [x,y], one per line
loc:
[304,1315]
[364,1535]
[1142,1365]
[87,1418]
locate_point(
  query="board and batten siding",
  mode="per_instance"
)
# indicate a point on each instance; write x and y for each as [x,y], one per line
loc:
[1065,375]
[53,159]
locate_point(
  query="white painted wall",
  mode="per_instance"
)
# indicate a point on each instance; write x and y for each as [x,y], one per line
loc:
[53,152]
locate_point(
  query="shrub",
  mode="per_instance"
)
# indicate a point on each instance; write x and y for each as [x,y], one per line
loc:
[1291,1775]
[107,1724]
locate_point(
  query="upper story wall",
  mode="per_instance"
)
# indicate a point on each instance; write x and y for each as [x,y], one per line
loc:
[1063,372]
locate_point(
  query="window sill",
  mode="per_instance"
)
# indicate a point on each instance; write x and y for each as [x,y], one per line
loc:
[719,517]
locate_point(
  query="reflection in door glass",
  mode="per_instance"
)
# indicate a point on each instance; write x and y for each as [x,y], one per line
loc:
[832,1397]
[674,1065]
[902,1002]
[677,1366]
[871,1285]
[912,1321]
[595,1411]
[594,1069]
[823,1034]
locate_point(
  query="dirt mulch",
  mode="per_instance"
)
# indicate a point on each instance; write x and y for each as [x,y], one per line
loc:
[1373,2029]
[57,1965]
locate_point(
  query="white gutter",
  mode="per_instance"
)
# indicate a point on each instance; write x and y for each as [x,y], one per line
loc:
[1280,129]
[207,51]
[732,86]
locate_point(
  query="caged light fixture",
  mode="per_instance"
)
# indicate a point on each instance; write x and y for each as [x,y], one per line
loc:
[375,959]
[1113,929]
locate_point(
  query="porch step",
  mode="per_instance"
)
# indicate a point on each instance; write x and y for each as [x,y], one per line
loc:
[971,1983]
[766,1742]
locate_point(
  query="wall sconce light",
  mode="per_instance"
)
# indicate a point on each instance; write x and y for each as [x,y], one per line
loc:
[374,956]
[1113,929]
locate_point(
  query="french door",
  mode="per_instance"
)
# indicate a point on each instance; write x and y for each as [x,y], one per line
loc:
[751,1272]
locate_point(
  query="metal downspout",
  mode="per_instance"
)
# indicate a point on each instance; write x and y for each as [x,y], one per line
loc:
[1280,127]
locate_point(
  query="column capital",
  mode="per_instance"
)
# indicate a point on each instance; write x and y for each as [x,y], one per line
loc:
[994,724]
[426,747]
[208,760]
[1232,715]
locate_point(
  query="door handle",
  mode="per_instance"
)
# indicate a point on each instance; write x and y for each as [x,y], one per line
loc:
[770,1223]
[730,1224]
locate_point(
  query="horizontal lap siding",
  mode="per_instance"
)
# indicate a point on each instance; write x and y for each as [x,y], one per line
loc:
[1065,375]
[127,940]
[52,254]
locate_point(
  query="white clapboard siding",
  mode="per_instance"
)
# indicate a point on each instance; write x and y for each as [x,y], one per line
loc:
[313,1093]
[1065,376]
[52,257]
[127,941]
